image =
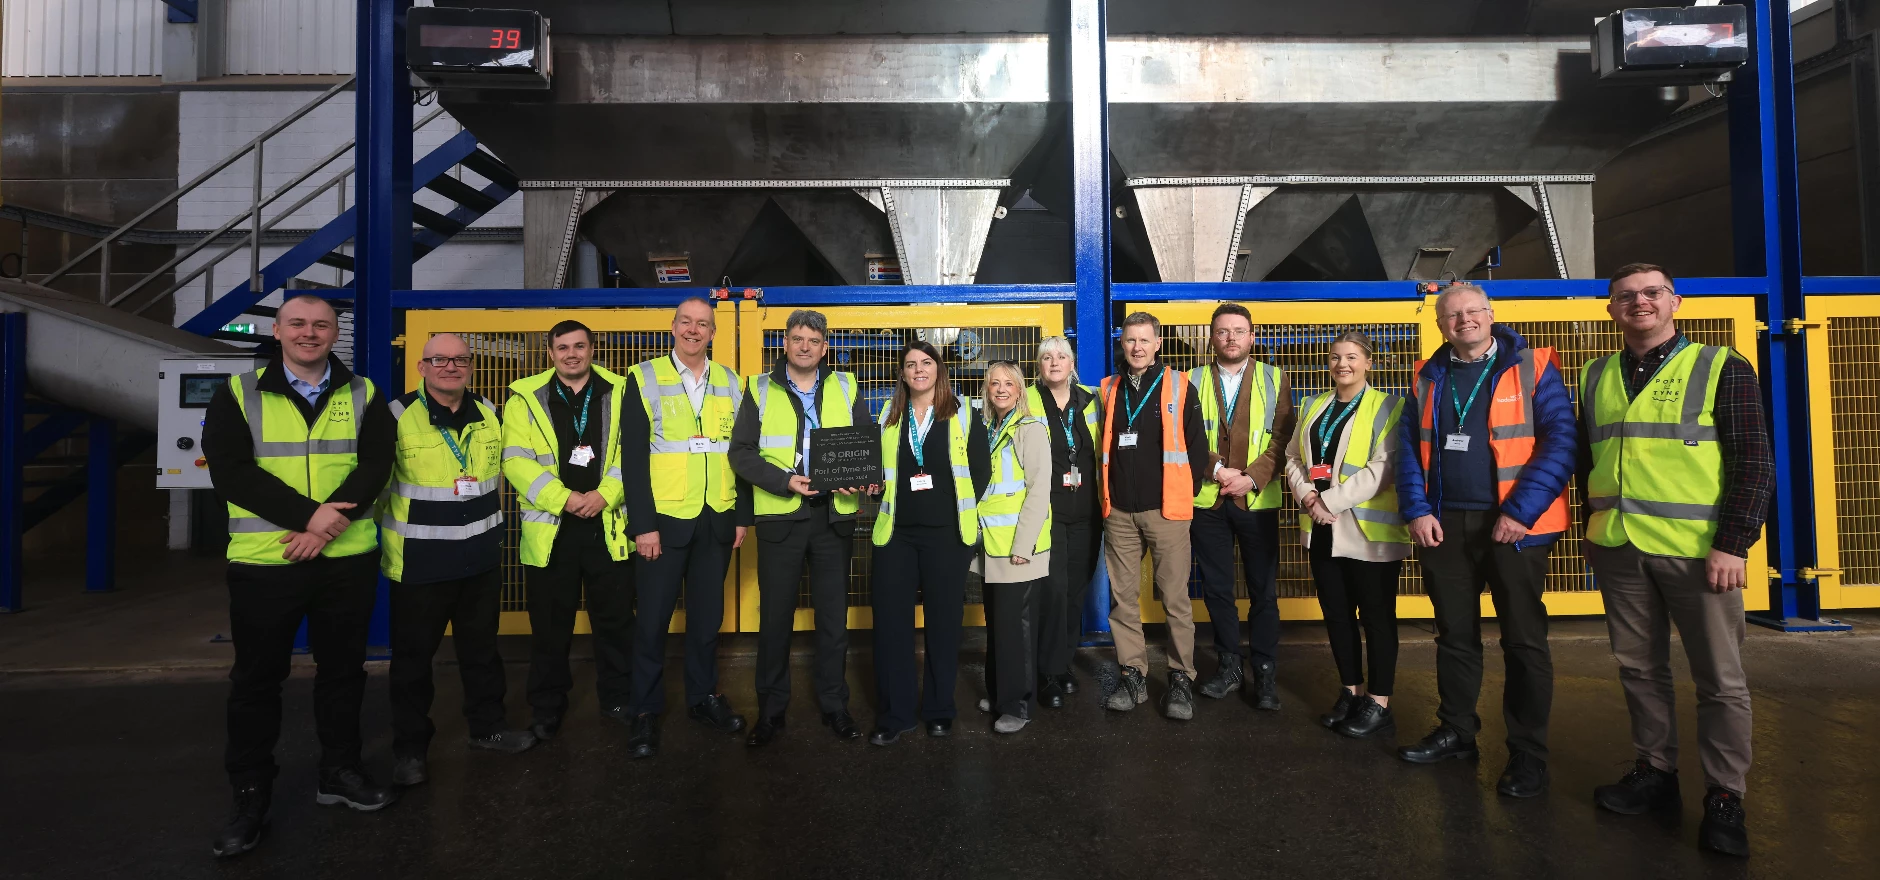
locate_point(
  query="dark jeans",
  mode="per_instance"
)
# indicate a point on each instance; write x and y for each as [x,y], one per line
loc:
[265,606]
[1012,644]
[1453,574]
[925,566]
[1213,536]
[783,547]
[579,558]
[1348,588]
[697,568]
[471,607]
[1074,555]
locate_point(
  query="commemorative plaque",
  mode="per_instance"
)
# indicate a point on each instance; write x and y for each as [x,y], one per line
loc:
[844,458]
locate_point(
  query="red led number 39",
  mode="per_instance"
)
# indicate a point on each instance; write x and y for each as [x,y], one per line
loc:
[505,39]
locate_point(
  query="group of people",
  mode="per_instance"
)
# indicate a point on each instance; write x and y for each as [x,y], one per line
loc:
[635,486]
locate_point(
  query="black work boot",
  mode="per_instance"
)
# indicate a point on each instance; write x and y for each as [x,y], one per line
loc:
[1722,831]
[1227,678]
[1130,692]
[246,821]
[1265,686]
[1642,788]
[1179,704]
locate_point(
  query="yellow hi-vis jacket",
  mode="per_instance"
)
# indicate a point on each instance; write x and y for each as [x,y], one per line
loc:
[778,431]
[685,481]
[532,457]
[1657,475]
[425,520]
[312,460]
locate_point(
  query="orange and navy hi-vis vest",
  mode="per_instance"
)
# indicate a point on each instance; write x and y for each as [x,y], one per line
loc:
[1510,429]
[1178,482]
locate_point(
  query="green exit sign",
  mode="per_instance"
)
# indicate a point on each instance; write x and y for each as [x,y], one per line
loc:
[239,328]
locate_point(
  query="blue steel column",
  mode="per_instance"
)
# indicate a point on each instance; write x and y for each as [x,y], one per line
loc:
[101,475]
[12,460]
[1767,226]
[1090,224]
[383,135]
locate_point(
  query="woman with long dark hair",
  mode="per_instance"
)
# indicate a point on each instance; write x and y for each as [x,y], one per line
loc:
[935,466]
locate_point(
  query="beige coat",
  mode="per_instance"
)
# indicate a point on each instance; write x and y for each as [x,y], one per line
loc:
[1034,456]
[1348,540]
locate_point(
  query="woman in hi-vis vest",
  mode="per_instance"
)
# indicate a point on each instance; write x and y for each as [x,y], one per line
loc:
[1340,470]
[1015,542]
[934,466]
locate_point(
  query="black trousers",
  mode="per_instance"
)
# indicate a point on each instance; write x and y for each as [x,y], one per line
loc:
[1012,644]
[1349,588]
[1212,536]
[698,569]
[265,606]
[782,549]
[925,566]
[1074,554]
[579,558]
[1453,575]
[472,608]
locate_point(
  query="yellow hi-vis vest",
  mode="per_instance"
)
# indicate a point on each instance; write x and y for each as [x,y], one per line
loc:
[421,511]
[778,433]
[1657,474]
[532,457]
[1034,398]
[685,481]
[1259,396]
[1005,496]
[312,460]
[963,494]
[1375,422]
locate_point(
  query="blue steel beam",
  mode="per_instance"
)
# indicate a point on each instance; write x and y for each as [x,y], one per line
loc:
[1335,291]
[12,460]
[616,297]
[182,11]
[1090,222]
[1766,215]
[1818,285]
[382,121]
[101,472]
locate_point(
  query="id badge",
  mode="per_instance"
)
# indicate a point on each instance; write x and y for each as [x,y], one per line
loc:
[1126,440]
[581,456]
[1073,478]
[1321,471]
[468,487]
[698,444]
[1456,443]
[920,482]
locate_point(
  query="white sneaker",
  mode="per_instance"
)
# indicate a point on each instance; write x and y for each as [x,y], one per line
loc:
[1009,724]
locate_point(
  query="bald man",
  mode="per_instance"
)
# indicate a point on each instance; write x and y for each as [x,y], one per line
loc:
[443,537]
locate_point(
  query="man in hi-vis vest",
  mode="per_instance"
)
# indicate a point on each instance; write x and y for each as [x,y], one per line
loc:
[770,449]
[1488,440]
[299,450]
[685,410]
[1676,465]
[1152,431]
[1246,407]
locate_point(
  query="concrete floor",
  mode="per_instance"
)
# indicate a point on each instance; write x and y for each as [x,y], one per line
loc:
[117,773]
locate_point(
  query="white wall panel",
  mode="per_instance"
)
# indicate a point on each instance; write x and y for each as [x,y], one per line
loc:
[82,38]
[291,36]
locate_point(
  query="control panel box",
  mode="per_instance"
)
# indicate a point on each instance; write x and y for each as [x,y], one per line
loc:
[1675,45]
[185,385]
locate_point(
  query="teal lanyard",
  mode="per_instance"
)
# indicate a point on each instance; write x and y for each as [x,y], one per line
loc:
[462,460]
[580,418]
[992,434]
[1462,408]
[917,439]
[1682,342]
[1232,402]
[1329,422]
[1137,409]
[1070,428]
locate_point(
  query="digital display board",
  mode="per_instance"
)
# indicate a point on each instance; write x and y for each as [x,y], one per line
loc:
[454,36]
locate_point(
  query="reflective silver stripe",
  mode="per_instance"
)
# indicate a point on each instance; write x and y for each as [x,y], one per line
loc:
[441,493]
[398,409]
[291,449]
[1377,515]
[651,391]
[613,474]
[1660,509]
[1508,474]
[1382,422]
[760,391]
[847,383]
[775,441]
[1589,398]
[887,510]
[1174,458]
[251,525]
[251,409]
[965,504]
[545,460]
[536,486]
[280,449]
[539,516]
[1696,389]
[1270,384]
[667,446]
[1510,432]
[510,452]
[333,447]
[720,447]
[962,471]
[1653,431]
[444,533]
[1010,487]
[1000,519]
[1348,469]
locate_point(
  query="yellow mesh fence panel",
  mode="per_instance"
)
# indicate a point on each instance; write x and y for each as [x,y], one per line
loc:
[1854,382]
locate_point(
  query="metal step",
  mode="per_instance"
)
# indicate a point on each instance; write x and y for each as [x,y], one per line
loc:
[435,222]
[462,193]
[491,168]
[337,260]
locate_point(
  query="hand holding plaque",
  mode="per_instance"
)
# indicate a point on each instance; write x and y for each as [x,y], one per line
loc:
[844,458]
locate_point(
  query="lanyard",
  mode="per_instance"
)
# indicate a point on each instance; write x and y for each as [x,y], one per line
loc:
[1232,402]
[580,419]
[1682,342]
[1065,417]
[698,420]
[917,439]
[1137,409]
[1462,409]
[992,434]
[462,460]
[1329,422]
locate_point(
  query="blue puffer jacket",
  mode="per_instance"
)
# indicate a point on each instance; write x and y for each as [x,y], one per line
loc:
[1544,478]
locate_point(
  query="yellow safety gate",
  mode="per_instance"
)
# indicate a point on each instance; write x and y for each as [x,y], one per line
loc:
[1843,336]
[510,344]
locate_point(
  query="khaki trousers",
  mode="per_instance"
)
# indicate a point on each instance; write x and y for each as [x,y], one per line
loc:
[1126,537]
[1644,596]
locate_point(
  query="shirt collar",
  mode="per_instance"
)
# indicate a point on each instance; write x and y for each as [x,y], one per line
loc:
[1494,345]
[687,371]
[1658,352]
[1235,373]
[299,384]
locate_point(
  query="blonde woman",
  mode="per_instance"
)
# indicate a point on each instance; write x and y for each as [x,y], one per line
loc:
[1339,465]
[1015,544]
[1070,414]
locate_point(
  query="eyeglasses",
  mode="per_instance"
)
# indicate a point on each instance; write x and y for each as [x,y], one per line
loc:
[1232,333]
[463,361]
[1468,314]
[1646,294]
